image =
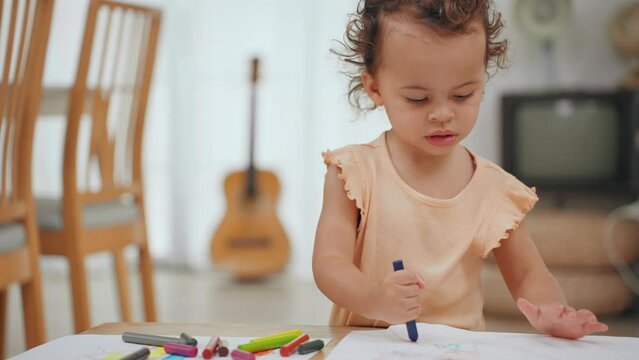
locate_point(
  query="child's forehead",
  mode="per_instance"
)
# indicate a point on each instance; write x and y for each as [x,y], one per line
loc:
[404,25]
[410,48]
[397,34]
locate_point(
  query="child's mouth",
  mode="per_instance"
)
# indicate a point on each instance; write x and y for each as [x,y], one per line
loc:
[441,140]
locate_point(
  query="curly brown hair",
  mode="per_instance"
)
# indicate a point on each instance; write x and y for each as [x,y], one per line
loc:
[447,17]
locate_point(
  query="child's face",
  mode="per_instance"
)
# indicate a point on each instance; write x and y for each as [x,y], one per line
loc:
[428,83]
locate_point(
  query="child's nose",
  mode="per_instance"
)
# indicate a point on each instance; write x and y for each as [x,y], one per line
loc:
[442,113]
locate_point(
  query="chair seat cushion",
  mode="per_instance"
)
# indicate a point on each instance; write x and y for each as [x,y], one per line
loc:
[12,236]
[95,215]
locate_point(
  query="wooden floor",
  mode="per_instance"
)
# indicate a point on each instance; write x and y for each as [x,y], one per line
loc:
[187,296]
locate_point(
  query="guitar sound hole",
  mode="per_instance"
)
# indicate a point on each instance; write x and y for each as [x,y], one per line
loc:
[244,243]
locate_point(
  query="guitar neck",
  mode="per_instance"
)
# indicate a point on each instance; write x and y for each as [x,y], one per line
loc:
[251,189]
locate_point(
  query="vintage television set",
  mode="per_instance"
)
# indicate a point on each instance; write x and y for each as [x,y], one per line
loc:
[573,142]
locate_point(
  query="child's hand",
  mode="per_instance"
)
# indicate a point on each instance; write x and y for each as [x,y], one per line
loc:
[396,300]
[559,320]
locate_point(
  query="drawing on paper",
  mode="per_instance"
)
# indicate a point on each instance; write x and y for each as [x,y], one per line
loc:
[448,343]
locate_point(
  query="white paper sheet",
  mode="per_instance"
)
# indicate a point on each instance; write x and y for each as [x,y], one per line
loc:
[445,342]
[111,347]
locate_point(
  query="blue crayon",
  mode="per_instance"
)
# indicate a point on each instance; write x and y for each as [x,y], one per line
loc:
[410,325]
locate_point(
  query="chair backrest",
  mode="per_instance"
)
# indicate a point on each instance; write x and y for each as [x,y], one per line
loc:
[24,33]
[109,100]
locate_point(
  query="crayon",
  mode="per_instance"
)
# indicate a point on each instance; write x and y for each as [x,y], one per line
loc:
[211,347]
[237,354]
[290,348]
[309,347]
[147,339]
[180,349]
[271,343]
[223,348]
[139,354]
[188,339]
[410,325]
[296,332]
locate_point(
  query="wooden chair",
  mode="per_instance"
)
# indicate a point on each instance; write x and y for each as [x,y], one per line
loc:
[24,35]
[105,212]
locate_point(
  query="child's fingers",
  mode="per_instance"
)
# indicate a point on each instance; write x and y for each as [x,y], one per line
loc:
[587,316]
[560,320]
[530,311]
[409,291]
[590,328]
[410,303]
[414,314]
[590,322]
[407,277]
[571,314]
[552,311]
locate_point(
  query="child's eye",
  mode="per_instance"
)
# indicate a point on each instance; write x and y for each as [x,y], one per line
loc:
[463,97]
[416,101]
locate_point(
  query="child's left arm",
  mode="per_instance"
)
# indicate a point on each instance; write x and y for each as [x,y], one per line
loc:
[537,292]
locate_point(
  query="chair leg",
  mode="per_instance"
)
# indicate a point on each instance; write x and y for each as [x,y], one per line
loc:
[146,276]
[122,278]
[3,320]
[33,312]
[78,275]
[32,304]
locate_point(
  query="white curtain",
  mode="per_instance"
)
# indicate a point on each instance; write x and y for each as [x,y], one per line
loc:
[301,110]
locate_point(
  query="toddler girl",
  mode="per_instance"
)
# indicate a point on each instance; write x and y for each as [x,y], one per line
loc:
[415,193]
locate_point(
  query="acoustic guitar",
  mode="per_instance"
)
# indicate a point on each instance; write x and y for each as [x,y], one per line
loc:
[250,242]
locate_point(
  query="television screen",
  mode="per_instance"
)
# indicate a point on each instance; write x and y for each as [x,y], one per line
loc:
[570,141]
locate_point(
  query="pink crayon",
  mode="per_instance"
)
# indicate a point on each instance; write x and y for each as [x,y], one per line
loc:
[180,349]
[238,354]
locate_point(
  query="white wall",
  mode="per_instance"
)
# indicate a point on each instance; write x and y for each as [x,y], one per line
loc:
[197,125]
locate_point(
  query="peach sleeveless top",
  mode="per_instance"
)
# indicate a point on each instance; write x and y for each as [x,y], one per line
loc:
[444,240]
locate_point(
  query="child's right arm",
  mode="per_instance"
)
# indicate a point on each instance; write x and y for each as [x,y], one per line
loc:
[395,300]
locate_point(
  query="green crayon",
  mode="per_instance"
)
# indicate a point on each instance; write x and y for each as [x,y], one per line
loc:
[267,344]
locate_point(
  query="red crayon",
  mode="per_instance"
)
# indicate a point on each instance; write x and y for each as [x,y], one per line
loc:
[180,349]
[211,347]
[289,348]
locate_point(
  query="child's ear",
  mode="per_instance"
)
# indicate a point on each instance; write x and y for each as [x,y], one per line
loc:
[371,87]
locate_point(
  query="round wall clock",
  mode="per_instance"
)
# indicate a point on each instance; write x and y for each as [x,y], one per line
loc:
[542,19]
[624,34]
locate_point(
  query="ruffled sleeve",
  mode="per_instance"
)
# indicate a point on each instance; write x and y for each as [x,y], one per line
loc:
[516,200]
[350,168]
